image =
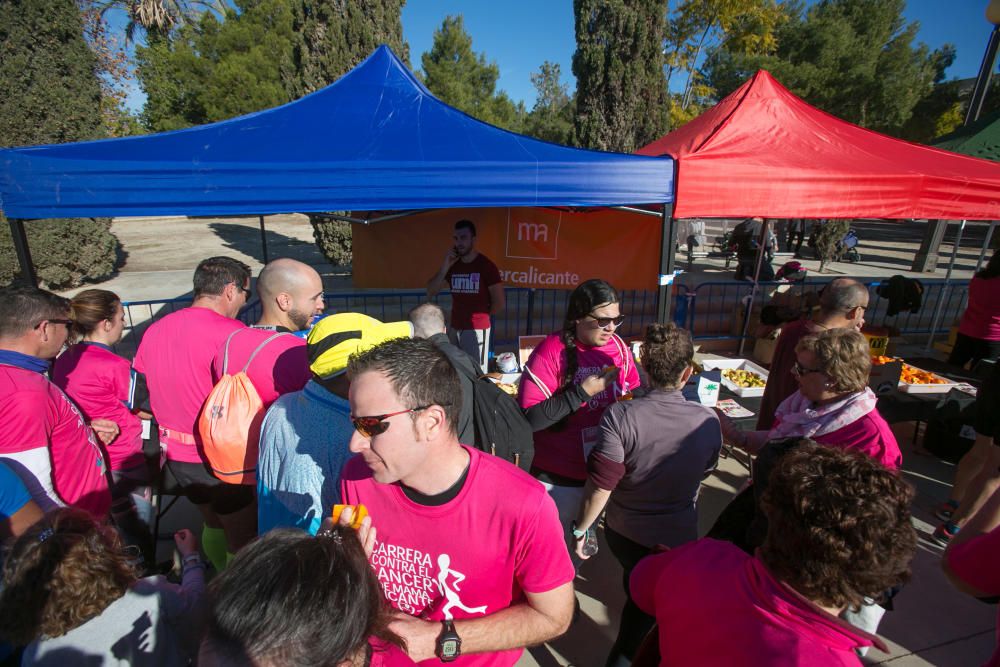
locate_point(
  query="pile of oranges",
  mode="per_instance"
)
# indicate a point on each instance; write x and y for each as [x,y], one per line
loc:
[911,375]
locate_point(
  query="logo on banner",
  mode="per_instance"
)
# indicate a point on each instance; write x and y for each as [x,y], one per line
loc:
[532,237]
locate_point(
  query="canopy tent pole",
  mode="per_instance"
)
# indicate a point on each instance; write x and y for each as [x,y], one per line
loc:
[986,245]
[945,288]
[263,239]
[28,276]
[761,243]
[666,278]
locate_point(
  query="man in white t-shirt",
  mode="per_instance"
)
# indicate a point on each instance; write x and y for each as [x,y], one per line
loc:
[468,546]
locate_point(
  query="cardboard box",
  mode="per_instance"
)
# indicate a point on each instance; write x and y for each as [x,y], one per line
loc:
[763,350]
[885,377]
[525,346]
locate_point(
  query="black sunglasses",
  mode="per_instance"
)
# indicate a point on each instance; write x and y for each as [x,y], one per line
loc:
[369,427]
[605,322]
[245,290]
[54,321]
[800,370]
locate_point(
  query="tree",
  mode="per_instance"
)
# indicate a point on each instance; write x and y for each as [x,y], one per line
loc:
[157,17]
[51,95]
[551,119]
[738,26]
[332,36]
[827,239]
[114,74]
[212,70]
[465,80]
[855,59]
[621,89]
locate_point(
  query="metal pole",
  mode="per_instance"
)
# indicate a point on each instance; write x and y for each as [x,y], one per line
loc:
[986,245]
[761,243]
[944,288]
[263,239]
[28,276]
[666,277]
[983,79]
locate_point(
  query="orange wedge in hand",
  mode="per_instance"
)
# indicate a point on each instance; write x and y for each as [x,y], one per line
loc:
[360,512]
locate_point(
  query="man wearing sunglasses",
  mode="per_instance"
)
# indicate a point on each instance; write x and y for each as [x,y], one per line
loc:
[469,548]
[43,436]
[842,305]
[476,292]
[175,356]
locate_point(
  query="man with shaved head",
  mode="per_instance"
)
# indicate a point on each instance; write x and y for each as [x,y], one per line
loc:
[276,362]
[290,294]
[842,305]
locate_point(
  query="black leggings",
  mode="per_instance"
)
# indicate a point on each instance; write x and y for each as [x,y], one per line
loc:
[972,349]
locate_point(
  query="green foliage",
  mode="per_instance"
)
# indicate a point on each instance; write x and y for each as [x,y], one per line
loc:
[465,80]
[211,70]
[621,93]
[830,232]
[48,75]
[855,59]
[551,119]
[738,26]
[333,238]
[65,252]
[332,36]
[51,94]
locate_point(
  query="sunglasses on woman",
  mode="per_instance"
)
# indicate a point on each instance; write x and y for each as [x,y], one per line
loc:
[800,370]
[369,427]
[605,322]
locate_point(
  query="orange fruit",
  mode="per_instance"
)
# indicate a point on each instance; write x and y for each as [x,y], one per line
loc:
[360,512]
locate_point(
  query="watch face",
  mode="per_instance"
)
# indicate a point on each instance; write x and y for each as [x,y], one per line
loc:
[449,648]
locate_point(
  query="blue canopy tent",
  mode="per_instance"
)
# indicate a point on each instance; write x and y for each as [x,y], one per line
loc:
[376,139]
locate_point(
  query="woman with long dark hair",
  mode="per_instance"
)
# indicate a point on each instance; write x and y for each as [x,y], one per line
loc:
[568,381]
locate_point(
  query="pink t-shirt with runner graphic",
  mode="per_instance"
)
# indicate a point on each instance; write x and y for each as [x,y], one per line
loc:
[100,383]
[564,450]
[36,415]
[470,557]
[176,356]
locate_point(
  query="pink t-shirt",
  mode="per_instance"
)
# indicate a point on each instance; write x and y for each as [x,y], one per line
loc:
[982,316]
[470,292]
[564,451]
[176,355]
[281,366]
[870,434]
[975,563]
[36,414]
[100,383]
[471,557]
[716,605]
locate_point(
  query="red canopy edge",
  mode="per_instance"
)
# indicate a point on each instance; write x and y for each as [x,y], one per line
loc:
[762,151]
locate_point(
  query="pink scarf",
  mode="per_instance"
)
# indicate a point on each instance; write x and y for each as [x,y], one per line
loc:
[797,416]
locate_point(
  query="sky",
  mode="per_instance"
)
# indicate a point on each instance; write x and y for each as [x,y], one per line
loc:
[519,35]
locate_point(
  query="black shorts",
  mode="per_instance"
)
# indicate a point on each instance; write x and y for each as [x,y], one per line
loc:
[203,488]
[987,420]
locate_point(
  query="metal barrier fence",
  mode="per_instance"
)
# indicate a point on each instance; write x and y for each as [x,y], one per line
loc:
[710,310]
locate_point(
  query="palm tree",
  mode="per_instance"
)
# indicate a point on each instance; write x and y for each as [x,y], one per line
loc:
[159,15]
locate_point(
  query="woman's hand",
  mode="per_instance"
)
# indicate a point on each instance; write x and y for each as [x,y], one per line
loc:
[595,384]
[730,433]
[186,542]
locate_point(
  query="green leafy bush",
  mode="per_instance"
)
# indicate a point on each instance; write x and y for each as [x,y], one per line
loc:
[333,238]
[66,252]
[830,232]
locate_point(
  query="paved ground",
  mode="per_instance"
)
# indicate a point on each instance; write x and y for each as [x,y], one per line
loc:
[932,625]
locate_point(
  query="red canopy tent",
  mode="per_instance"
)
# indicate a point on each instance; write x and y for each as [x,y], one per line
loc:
[762,151]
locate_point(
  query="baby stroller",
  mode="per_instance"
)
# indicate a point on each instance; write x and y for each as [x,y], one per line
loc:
[847,248]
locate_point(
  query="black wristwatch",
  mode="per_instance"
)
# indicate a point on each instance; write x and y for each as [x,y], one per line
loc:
[449,644]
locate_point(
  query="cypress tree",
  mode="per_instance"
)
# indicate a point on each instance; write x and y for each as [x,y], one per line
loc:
[48,75]
[621,98]
[51,94]
[332,36]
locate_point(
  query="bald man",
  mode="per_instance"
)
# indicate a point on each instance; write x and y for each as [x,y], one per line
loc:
[291,293]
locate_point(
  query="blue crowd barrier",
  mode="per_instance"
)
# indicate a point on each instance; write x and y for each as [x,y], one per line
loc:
[710,310]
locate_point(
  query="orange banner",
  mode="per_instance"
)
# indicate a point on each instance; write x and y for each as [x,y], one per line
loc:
[532,247]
